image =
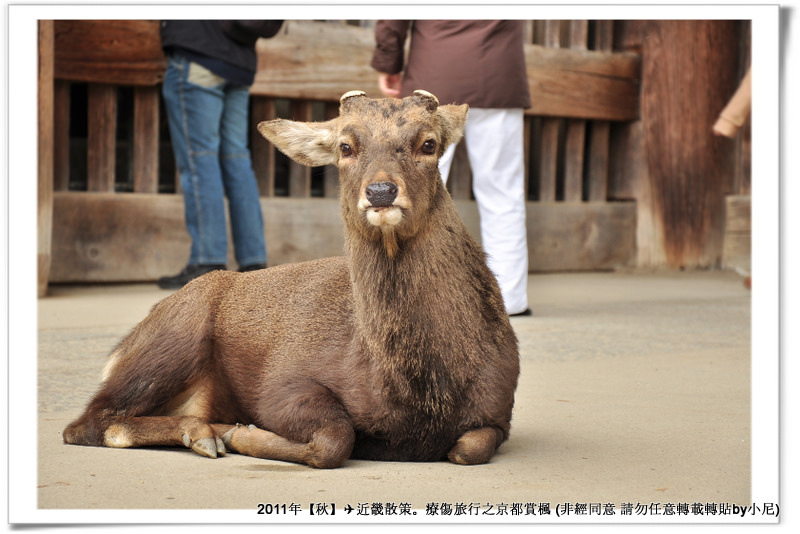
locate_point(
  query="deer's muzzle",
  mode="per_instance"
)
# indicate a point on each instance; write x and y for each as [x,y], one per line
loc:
[381,194]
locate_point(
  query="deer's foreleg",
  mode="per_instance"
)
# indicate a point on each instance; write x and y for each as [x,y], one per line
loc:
[319,431]
[329,447]
[153,431]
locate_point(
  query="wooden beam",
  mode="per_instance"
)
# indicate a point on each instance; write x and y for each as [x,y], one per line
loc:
[316,61]
[583,84]
[107,237]
[124,52]
[587,236]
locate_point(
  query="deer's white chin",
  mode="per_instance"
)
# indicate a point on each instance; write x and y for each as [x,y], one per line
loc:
[390,216]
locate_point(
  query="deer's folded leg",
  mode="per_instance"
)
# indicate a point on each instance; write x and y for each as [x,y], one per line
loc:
[329,446]
[154,431]
[476,446]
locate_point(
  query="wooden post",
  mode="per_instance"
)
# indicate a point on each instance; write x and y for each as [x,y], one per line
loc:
[600,131]
[548,163]
[526,150]
[45,154]
[61,121]
[331,186]
[102,142]
[300,175]
[576,128]
[262,151]
[145,139]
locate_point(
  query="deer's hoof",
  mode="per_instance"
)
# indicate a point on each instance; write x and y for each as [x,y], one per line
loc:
[210,447]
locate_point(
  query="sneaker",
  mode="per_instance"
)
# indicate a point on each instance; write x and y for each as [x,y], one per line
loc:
[187,275]
[524,313]
[254,267]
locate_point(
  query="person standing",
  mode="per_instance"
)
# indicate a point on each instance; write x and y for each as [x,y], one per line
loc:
[210,68]
[480,63]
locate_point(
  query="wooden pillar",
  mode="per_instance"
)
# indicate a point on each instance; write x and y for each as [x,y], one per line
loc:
[45,153]
[689,70]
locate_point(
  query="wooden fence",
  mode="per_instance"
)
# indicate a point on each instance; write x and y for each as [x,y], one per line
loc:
[116,214]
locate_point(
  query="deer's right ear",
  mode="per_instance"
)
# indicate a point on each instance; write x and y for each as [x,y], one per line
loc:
[308,143]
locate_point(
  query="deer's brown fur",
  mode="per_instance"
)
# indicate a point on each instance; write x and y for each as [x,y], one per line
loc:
[400,350]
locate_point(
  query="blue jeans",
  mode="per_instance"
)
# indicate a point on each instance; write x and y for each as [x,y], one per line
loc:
[208,125]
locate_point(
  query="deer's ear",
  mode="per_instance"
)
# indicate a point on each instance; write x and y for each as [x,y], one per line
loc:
[308,143]
[451,119]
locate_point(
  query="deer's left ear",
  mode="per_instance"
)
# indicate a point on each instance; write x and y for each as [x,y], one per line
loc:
[308,143]
[452,118]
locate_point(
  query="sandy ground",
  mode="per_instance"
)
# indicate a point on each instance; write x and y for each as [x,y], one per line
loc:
[635,390]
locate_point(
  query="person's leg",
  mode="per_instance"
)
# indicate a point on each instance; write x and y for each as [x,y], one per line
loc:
[494,139]
[194,100]
[247,224]
[446,161]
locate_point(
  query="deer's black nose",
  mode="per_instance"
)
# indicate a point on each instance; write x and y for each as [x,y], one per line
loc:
[381,194]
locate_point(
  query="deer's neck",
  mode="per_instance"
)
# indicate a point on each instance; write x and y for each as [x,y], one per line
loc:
[412,301]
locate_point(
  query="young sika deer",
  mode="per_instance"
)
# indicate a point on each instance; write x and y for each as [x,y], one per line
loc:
[401,350]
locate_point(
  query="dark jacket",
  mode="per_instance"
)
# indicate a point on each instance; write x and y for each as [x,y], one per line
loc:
[477,62]
[226,48]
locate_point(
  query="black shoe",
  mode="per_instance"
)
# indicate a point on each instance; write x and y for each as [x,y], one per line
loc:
[187,275]
[254,267]
[526,313]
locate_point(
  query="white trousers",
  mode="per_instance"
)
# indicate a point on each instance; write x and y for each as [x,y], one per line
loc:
[494,140]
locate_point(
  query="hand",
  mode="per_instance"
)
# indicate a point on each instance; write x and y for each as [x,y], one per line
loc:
[726,128]
[390,84]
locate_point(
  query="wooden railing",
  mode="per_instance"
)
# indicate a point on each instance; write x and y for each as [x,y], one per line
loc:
[579,87]
[576,92]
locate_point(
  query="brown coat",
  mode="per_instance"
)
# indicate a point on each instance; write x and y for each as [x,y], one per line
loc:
[475,62]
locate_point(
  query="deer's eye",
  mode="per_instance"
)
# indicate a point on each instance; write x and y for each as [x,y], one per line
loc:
[347,150]
[429,147]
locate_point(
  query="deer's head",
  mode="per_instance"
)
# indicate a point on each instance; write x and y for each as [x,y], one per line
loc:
[387,152]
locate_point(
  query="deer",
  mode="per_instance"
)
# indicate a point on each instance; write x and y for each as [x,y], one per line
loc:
[399,350]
